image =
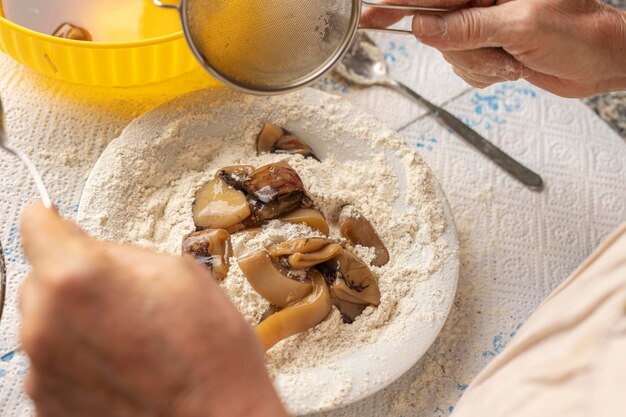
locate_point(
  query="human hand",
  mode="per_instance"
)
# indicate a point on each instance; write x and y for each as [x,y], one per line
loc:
[572,48]
[118,331]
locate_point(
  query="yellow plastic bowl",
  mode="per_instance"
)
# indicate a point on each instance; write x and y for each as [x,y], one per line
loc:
[118,64]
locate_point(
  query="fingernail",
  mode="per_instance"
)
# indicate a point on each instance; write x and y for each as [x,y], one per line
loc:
[431,26]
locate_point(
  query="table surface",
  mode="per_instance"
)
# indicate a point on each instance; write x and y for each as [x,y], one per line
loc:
[516,244]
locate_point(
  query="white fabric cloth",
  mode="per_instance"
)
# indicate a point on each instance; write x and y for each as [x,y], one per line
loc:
[569,359]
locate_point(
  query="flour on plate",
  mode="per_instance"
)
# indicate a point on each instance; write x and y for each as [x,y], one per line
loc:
[153,209]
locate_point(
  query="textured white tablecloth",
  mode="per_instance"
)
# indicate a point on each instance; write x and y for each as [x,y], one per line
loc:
[517,245]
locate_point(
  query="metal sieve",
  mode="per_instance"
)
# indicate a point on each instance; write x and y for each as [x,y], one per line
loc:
[271,46]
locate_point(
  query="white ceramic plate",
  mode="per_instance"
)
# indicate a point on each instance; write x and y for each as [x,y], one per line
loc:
[215,113]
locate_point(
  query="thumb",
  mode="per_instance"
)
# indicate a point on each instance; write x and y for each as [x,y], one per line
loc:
[465,29]
[46,235]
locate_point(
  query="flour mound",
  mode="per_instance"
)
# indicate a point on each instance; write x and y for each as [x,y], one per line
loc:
[145,185]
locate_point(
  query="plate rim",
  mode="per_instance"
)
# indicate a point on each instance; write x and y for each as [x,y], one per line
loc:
[452,241]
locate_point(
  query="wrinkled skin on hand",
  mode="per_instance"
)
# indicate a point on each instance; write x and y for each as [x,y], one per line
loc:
[572,48]
[118,331]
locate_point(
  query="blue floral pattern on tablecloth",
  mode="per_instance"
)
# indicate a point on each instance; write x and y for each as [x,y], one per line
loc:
[490,109]
[334,85]
[12,364]
[394,52]
[499,342]
[426,142]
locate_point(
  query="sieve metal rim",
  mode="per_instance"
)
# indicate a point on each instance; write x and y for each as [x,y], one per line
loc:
[274,90]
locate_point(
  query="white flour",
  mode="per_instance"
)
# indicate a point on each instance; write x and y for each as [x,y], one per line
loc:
[145,188]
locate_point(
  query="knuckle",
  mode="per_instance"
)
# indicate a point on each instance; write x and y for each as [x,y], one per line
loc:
[526,20]
[472,26]
[468,26]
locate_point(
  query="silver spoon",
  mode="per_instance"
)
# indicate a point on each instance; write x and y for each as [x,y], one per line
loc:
[4,144]
[364,64]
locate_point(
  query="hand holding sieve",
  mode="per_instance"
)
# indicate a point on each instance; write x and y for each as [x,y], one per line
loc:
[272,46]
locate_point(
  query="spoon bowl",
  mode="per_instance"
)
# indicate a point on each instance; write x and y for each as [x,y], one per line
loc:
[364,63]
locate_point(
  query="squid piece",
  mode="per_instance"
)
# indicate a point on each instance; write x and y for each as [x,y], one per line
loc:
[312,218]
[275,139]
[219,206]
[359,231]
[299,317]
[273,180]
[290,247]
[306,253]
[235,175]
[272,309]
[212,248]
[308,260]
[352,284]
[272,281]
[269,135]
[354,281]
[274,190]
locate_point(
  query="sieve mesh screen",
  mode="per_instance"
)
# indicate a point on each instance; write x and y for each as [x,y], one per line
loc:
[269,43]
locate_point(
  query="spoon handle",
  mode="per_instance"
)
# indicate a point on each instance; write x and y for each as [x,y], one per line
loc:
[387,30]
[32,169]
[497,155]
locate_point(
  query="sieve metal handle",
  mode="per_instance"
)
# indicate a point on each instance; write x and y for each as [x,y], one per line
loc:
[162,5]
[408,7]
[405,7]
[387,30]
